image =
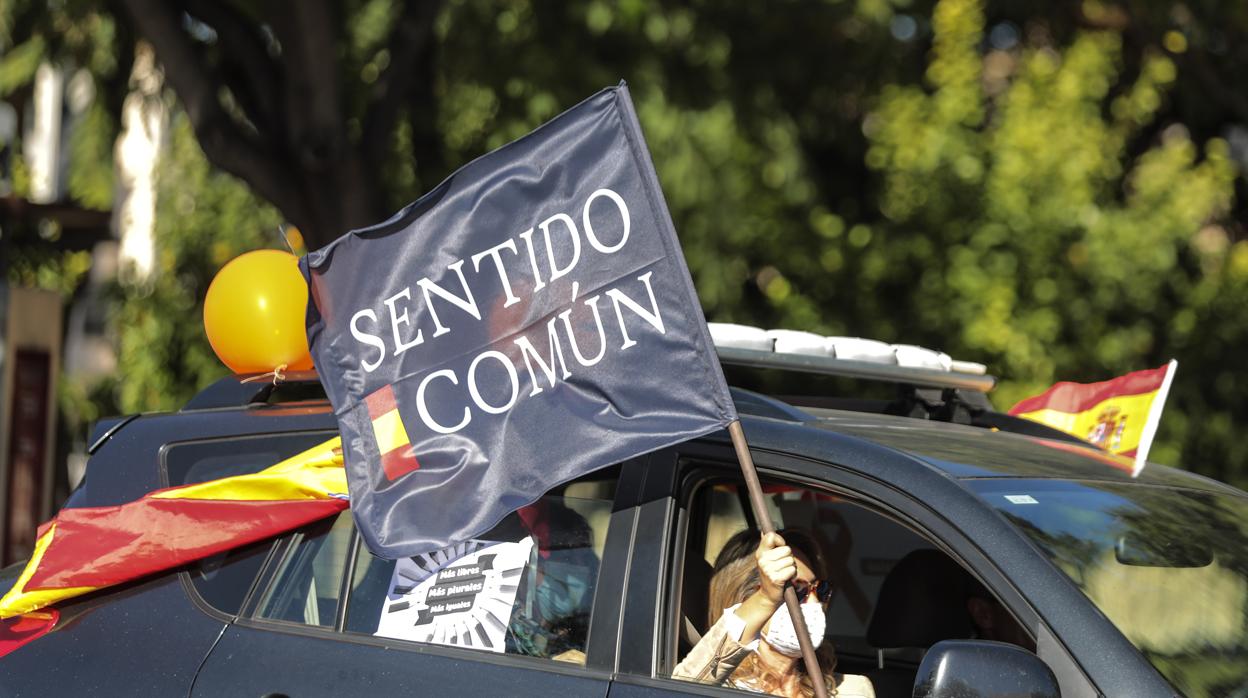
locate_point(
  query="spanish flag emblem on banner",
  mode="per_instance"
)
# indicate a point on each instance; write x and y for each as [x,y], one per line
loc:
[88,548]
[1119,415]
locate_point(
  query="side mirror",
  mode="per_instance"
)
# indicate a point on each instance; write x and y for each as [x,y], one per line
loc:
[981,669]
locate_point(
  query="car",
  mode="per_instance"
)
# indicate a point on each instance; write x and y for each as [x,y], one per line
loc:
[922,496]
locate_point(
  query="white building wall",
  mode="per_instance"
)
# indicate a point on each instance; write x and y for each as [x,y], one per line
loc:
[42,141]
[144,120]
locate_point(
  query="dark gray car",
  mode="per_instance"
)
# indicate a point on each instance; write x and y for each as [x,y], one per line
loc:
[1120,586]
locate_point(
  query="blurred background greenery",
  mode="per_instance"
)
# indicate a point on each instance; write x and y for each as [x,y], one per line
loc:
[1052,189]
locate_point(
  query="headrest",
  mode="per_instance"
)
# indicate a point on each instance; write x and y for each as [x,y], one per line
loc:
[922,601]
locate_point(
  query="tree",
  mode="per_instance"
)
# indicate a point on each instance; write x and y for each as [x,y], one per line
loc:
[87,37]
[1037,230]
[204,218]
[1047,189]
[264,88]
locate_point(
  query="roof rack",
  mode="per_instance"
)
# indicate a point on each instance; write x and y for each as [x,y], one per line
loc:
[851,357]
[942,395]
[931,384]
[806,363]
[736,345]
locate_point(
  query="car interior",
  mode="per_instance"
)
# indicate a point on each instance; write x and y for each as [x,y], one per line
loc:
[569,530]
[895,594]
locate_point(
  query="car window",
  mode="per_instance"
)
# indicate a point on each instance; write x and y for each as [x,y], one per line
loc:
[310,579]
[892,592]
[526,587]
[223,581]
[200,461]
[1168,566]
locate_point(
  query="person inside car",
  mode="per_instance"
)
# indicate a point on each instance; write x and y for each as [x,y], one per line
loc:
[928,597]
[991,620]
[752,644]
[551,614]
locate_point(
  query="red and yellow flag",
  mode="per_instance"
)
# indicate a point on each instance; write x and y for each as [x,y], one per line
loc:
[1119,415]
[88,548]
[26,628]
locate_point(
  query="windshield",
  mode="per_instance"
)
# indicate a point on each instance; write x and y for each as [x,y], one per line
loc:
[1168,566]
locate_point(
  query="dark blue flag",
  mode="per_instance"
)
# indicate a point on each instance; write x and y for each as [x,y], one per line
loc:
[528,321]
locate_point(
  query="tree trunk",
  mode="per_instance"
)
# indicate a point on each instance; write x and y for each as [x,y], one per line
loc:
[344,198]
[267,106]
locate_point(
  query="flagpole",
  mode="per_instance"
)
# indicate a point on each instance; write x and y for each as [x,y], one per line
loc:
[763,517]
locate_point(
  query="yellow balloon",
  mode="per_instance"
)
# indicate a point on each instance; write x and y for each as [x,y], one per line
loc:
[254,313]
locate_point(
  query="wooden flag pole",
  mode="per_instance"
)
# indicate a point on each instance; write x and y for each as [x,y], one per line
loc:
[765,525]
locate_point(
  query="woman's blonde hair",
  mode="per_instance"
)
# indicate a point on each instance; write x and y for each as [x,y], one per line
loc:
[735,576]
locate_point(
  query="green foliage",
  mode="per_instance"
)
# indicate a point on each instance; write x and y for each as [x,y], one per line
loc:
[1059,206]
[71,34]
[736,224]
[18,65]
[83,33]
[47,268]
[90,170]
[203,220]
[1038,234]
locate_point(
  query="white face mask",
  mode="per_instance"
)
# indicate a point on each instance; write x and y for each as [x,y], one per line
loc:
[783,638]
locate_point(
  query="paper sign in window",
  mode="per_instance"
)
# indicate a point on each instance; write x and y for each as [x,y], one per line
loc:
[460,596]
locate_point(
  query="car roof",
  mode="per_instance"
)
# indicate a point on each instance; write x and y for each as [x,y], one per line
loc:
[955,450]
[966,452]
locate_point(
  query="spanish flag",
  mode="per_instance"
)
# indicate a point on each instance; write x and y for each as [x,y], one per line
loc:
[26,628]
[1119,415]
[88,548]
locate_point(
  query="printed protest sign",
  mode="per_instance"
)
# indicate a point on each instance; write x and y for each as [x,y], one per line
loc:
[460,596]
[528,321]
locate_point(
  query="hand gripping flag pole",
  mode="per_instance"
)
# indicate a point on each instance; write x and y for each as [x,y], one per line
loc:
[763,517]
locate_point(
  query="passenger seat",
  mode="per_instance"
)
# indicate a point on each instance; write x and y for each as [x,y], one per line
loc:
[922,601]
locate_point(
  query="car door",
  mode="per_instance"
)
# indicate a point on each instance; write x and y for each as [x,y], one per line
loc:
[323,619]
[870,534]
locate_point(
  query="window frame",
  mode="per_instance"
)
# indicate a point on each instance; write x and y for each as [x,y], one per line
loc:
[882,498]
[606,607]
[277,547]
[696,474]
[276,550]
[278,564]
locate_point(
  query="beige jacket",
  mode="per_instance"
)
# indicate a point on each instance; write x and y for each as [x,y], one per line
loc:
[714,658]
[718,654]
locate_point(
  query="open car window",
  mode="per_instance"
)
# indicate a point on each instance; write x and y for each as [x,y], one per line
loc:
[893,592]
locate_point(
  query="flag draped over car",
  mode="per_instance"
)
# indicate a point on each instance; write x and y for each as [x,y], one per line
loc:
[1119,415]
[88,548]
[528,321]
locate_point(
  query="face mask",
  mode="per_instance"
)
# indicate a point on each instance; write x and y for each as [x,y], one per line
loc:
[783,638]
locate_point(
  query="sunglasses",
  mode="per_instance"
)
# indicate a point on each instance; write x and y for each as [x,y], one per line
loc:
[822,590]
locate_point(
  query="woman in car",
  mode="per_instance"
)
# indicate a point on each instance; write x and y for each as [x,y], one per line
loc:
[752,644]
